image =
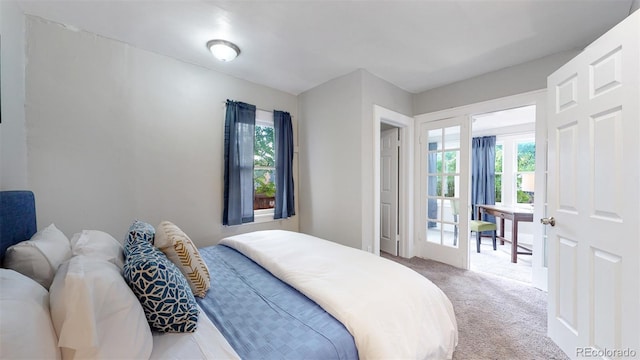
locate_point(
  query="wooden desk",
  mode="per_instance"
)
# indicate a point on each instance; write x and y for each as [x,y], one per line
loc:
[513,213]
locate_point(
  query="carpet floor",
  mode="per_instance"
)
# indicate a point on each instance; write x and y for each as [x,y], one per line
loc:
[498,262]
[497,318]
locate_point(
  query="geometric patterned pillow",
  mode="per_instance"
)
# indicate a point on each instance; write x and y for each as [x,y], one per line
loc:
[139,230]
[161,288]
[179,248]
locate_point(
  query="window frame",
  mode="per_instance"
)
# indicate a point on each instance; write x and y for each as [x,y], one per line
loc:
[518,173]
[510,165]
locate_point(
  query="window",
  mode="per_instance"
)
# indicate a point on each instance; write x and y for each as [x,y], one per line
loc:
[515,168]
[499,160]
[525,175]
[264,164]
[250,169]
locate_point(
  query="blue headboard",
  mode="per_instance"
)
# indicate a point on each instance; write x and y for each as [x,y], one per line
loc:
[17,218]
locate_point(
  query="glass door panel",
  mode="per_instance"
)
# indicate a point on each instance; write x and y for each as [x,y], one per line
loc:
[443,176]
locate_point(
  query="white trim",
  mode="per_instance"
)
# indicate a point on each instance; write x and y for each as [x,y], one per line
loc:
[508,102]
[406,125]
[263,215]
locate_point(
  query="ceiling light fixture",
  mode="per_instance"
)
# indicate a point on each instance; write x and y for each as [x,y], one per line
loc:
[223,50]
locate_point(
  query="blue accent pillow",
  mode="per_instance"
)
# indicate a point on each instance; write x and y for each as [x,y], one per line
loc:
[162,290]
[139,230]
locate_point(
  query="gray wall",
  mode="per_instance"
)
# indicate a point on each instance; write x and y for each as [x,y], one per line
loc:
[13,137]
[330,202]
[116,133]
[513,80]
[336,159]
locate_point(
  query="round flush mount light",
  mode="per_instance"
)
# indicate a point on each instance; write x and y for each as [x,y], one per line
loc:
[223,50]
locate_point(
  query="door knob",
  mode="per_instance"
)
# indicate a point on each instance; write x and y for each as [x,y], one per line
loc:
[548,221]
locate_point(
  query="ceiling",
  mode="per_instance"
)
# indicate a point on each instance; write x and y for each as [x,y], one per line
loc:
[514,120]
[295,45]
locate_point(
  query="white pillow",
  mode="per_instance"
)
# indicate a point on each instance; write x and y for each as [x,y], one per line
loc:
[95,313]
[99,244]
[26,331]
[183,253]
[40,257]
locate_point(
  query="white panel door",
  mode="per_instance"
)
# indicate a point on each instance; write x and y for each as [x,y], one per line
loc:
[594,196]
[389,150]
[444,148]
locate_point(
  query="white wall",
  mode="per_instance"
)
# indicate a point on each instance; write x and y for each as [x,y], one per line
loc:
[330,173]
[513,80]
[336,159]
[116,133]
[13,137]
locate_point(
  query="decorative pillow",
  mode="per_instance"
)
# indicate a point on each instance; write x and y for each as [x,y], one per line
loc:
[174,243]
[95,313]
[139,230]
[161,288]
[26,331]
[40,257]
[99,244]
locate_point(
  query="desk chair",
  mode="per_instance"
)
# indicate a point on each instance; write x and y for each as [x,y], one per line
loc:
[477,226]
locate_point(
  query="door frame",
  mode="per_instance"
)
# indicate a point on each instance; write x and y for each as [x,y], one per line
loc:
[405,183]
[538,98]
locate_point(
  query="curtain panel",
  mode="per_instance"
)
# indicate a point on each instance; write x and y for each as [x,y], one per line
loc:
[483,173]
[239,137]
[283,129]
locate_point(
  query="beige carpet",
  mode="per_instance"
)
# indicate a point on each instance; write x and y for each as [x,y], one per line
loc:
[498,262]
[497,318]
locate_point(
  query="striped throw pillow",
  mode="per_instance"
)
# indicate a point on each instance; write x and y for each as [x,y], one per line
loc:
[181,251]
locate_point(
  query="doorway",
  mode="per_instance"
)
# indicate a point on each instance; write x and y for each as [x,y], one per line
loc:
[466,114]
[383,117]
[512,139]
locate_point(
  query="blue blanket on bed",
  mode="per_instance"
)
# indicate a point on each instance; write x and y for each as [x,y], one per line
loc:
[264,318]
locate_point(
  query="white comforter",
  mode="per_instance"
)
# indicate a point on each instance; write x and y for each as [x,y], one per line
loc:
[391,311]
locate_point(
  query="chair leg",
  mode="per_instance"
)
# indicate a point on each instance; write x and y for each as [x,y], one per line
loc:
[494,240]
[478,235]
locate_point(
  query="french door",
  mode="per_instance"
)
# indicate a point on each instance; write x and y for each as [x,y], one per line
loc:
[444,147]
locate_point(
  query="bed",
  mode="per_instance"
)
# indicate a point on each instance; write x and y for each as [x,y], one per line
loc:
[271,294]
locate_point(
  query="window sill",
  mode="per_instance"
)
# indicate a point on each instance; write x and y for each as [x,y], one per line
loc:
[262,216]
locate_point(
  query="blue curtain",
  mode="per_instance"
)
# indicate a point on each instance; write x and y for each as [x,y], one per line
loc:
[239,135]
[285,203]
[432,185]
[483,173]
